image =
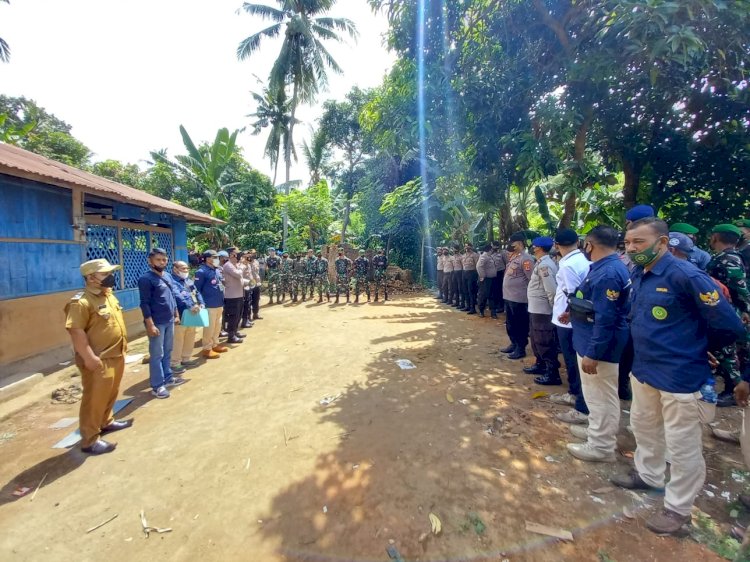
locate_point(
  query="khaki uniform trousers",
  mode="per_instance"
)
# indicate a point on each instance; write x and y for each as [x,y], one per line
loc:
[600,394]
[184,341]
[666,421]
[211,333]
[100,390]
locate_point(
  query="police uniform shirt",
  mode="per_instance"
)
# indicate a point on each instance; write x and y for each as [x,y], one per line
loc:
[500,259]
[99,314]
[458,262]
[469,261]
[542,286]
[517,276]
[607,287]
[674,309]
[448,264]
[440,262]
[486,266]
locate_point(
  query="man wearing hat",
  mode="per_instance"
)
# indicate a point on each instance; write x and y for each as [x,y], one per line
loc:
[447,277]
[697,257]
[343,270]
[500,258]
[272,275]
[515,292]
[459,287]
[744,246]
[680,245]
[439,265]
[361,270]
[541,296]
[96,326]
[675,310]
[471,278]
[727,267]
[573,268]
[310,268]
[210,284]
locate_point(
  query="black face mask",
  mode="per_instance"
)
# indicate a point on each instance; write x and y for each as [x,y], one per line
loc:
[108,282]
[159,268]
[586,253]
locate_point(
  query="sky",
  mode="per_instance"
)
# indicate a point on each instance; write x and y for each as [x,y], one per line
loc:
[125,74]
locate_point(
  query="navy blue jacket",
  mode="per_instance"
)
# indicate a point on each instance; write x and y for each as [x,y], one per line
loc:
[210,284]
[183,290]
[675,309]
[157,299]
[607,286]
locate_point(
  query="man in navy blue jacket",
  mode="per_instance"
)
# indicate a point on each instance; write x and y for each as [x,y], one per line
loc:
[210,284]
[598,312]
[188,298]
[676,312]
[160,315]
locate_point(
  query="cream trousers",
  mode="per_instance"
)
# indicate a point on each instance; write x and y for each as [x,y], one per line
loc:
[211,333]
[184,341]
[668,421]
[600,393]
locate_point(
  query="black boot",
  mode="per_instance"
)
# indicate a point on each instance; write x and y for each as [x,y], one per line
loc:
[518,353]
[550,379]
[472,310]
[509,349]
[536,369]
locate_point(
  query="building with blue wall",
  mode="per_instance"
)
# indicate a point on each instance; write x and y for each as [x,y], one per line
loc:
[53,217]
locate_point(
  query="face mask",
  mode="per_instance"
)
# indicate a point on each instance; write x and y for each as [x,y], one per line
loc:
[646,256]
[159,268]
[182,274]
[586,253]
[108,282]
[215,262]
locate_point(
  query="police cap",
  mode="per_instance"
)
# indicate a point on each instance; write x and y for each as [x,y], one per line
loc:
[566,237]
[640,212]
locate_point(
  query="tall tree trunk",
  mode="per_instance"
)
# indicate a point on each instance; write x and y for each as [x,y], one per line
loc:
[490,229]
[506,222]
[632,171]
[421,260]
[345,221]
[579,155]
[288,159]
[275,172]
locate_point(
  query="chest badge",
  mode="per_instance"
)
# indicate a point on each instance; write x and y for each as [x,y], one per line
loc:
[659,312]
[579,294]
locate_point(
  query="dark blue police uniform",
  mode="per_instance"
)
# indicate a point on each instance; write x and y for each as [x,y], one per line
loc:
[675,310]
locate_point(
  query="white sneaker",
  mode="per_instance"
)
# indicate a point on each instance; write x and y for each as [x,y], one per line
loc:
[725,435]
[566,399]
[580,431]
[586,452]
[573,416]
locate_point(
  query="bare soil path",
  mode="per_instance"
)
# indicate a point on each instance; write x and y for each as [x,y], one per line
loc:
[244,463]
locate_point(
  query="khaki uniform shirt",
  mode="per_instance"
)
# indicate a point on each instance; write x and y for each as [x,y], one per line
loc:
[470,261]
[458,262]
[440,262]
[448,264]
[486,267]
[517,276]
[501,259]
[99,314]
[542,287]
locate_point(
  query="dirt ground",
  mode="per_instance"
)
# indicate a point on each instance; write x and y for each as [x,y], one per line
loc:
[244,463]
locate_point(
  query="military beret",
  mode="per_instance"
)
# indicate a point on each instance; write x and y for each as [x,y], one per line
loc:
[681,241]
[543,242]
[729,228]
[684,228]
[640,212]
[566,237]
[518,237]
[743,223]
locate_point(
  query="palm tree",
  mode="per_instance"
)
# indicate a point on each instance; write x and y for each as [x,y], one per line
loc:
[272,110]
[303,60]
[316,155]
[4,48]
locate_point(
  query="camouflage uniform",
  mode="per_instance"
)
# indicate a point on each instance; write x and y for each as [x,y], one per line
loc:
[297,277]
[321,278]
[285,277]
[728,268]
[343,266]
[310,269]
[379,266]
[361,269]
[272,278]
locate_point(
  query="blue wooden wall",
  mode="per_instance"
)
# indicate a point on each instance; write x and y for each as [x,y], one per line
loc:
[32,210]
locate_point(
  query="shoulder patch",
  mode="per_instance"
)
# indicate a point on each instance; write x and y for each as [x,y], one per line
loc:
[76,297]
[527,266]
[612,295]
[710,298]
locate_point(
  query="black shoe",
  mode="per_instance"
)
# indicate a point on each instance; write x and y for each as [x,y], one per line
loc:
[481,315]
[117,426]
[535,369]
[247,324]
[510,349]
[223,334]
[493,316]
[517,354]
[471,311]
[547,380]
[725,400]
[258,317]
[240,335]
[100,447]
[235,340]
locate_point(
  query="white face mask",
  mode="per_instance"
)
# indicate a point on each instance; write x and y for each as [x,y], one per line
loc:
[215,262]
[182,274]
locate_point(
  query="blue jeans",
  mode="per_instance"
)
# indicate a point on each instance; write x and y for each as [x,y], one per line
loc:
[565,337]
[160,350]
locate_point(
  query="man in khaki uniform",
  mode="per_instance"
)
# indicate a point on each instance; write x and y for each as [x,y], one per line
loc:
[96,327]
[471,278]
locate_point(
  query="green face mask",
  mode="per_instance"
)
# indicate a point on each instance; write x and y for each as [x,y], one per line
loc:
[645,257]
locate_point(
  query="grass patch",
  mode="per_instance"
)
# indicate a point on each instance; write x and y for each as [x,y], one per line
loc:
[706,532]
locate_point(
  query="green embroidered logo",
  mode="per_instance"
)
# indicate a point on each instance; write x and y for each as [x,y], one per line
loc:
[659,313]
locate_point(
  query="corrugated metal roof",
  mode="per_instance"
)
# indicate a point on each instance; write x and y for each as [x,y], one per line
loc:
[21,163]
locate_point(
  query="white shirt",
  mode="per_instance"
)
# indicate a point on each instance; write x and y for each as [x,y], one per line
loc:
[572,271]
